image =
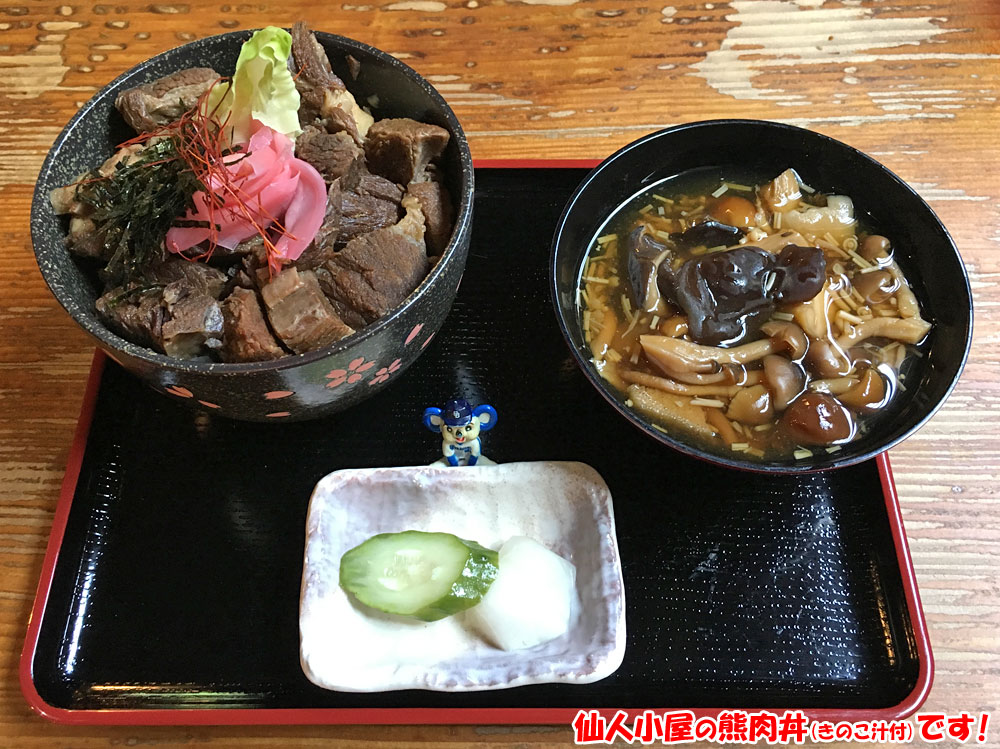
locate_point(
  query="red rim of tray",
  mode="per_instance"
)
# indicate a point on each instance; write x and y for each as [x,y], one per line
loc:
[387,716]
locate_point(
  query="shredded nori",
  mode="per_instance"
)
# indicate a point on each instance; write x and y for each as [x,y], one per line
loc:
[135,206]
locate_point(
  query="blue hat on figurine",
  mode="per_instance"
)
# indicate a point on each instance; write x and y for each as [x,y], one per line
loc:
[457,413]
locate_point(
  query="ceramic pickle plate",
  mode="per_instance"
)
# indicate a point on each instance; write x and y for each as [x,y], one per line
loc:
[170,589]
[566,507]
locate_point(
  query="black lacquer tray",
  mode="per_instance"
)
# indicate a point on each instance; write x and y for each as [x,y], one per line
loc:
[170,589]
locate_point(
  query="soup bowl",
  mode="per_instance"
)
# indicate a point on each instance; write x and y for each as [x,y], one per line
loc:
[297,386]
[921,245]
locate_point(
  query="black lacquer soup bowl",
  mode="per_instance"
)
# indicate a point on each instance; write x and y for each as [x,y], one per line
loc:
[922,246]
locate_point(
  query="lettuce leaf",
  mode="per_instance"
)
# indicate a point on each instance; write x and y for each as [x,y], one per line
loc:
[262,89]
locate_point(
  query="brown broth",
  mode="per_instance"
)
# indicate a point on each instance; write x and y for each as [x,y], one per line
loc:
[700,407]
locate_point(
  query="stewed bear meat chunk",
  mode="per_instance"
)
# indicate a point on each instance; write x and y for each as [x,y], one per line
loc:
[435,202]
[246,336]
[299,313]
[378,270]
[400,149]
[331,153]
[153,105]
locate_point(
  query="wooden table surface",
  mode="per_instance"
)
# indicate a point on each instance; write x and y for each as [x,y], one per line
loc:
[912,82]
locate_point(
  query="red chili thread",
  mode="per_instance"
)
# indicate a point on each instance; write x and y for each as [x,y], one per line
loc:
[201,142]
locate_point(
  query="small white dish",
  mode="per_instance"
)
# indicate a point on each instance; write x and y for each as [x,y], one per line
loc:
[348,647]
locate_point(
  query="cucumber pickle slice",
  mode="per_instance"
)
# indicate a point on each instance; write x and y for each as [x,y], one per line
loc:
[424,575]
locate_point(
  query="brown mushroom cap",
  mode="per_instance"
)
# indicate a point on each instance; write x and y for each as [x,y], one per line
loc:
[869,394]
[751,406]
[675,326]
[862,357]
[734,211]
[785,380]
[817,419]
[827,360]
[787,335]
[876,286]
[874,247]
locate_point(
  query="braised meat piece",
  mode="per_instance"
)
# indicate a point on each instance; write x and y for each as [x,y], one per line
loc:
[245,335]
[236,278]
[367,202]
[313,74]
[353,67]
[331,153]
[340,113]
[255,262]
[194,323]
[400,149]
[324,99]
[193,319]
[378,270]
[225,255]
[83,238]
[196,277]
[63,199]
[152,105]
[299,313]
[136,316]
[174,310]
[125,155]
[435,202]
[323,245]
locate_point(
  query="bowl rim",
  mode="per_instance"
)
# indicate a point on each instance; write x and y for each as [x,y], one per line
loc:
[40,208]
[767,467]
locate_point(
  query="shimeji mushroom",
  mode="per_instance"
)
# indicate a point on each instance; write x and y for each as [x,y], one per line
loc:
[675,326]
[775,243]
[812,315]
[827,360]
[906,301]
[876,249]
[752,405]
[671,410]
[834,386]
[817,419]
[785,379]
[782,193]
[877,286]
[733,210]
[669,385]
[836,218]
[904,329]
[682,359]
[868,394]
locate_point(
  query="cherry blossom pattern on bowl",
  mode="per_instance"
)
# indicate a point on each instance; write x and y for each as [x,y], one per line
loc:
[383,374]
[354,373]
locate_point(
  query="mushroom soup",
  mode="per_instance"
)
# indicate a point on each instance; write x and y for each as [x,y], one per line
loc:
[759,317]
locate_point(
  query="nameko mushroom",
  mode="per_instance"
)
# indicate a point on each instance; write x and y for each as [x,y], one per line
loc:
[696,363]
